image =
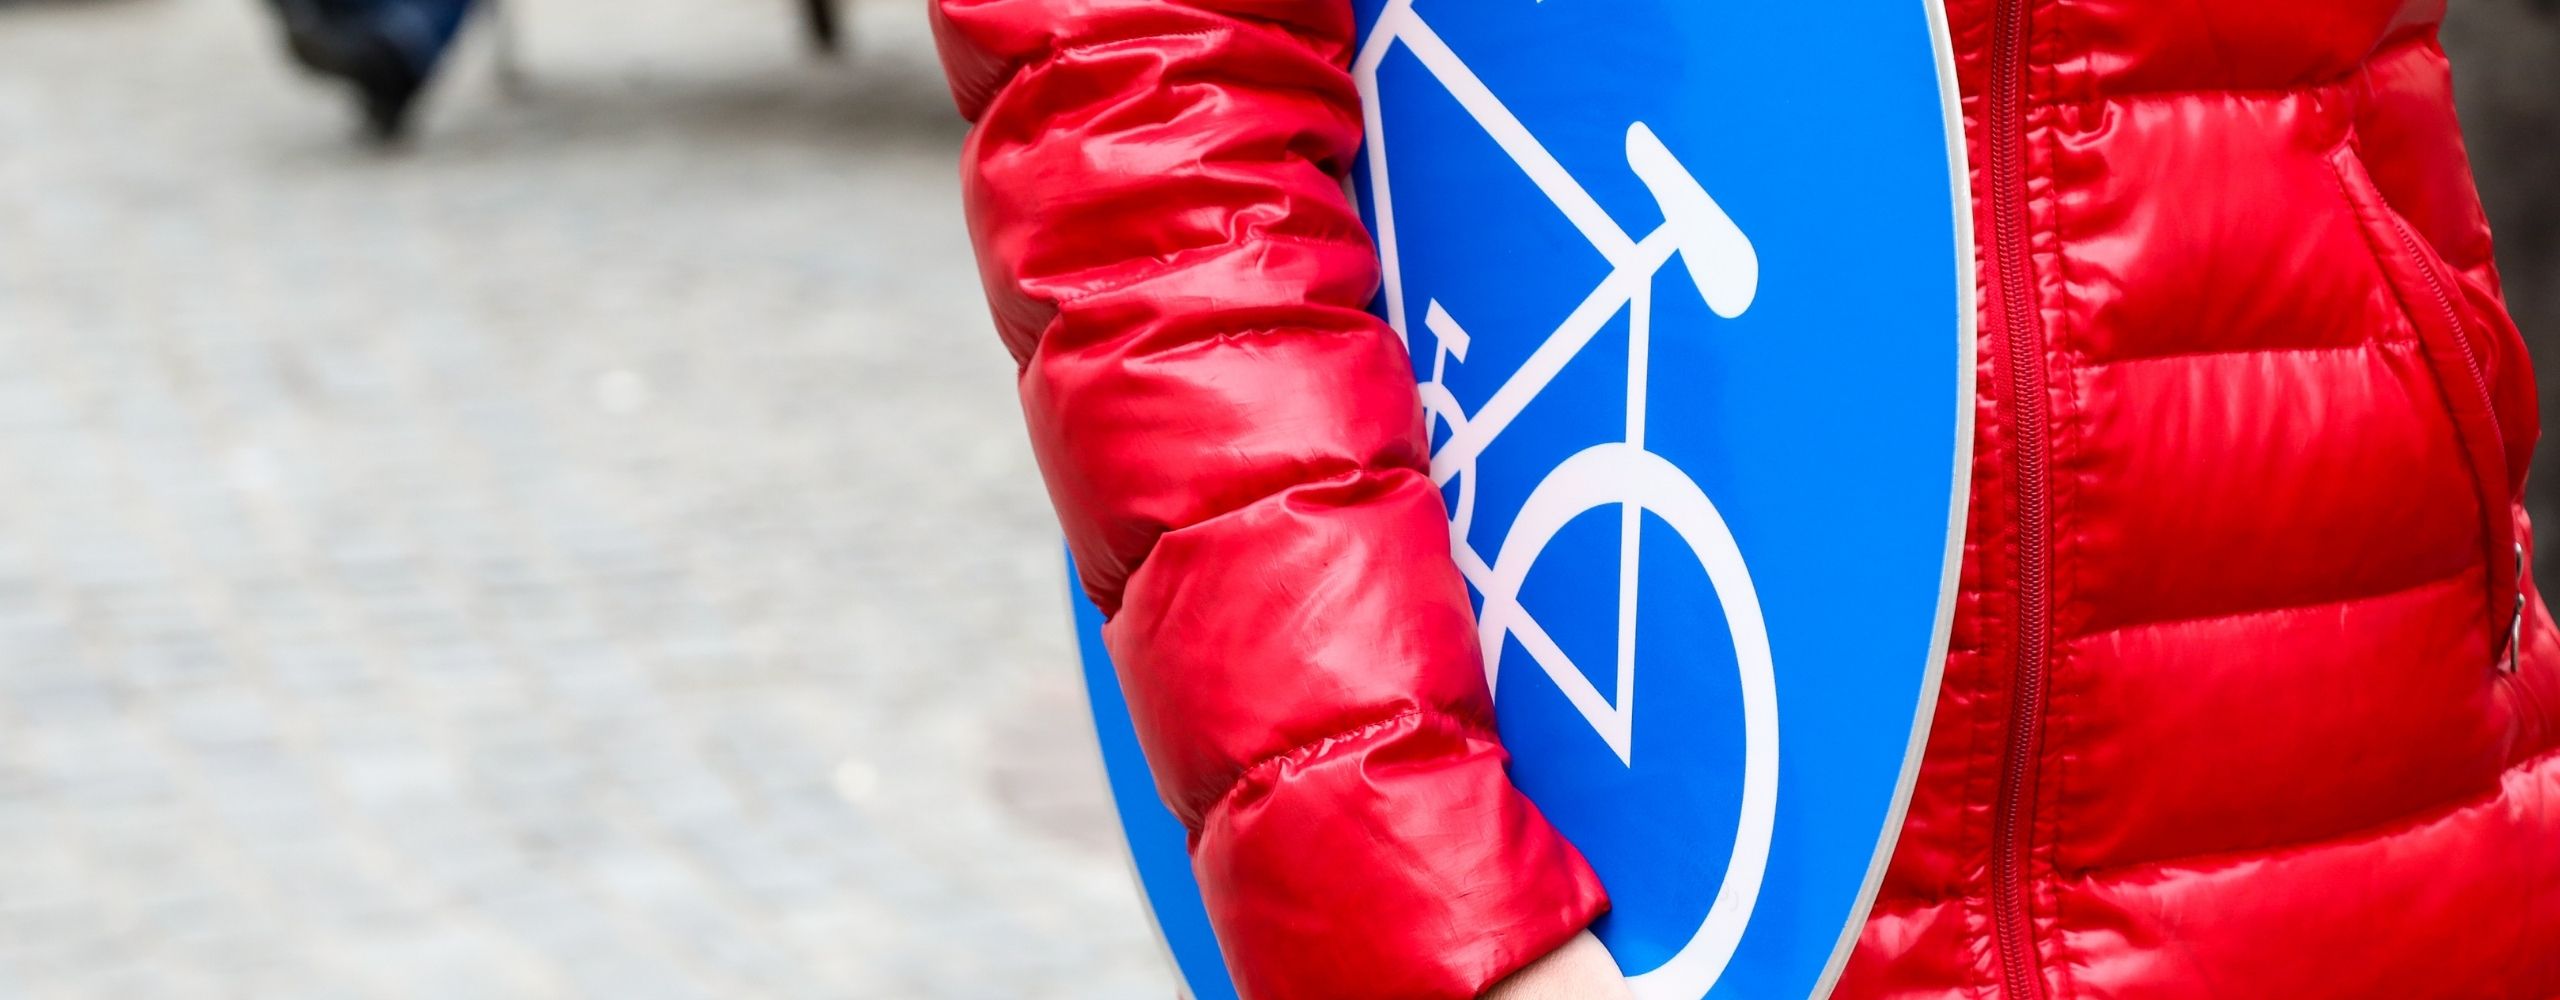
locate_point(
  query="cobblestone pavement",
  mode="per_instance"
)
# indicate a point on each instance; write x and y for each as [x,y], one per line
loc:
[589,555]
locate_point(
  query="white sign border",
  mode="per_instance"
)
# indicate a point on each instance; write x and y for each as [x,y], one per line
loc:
[1968,332]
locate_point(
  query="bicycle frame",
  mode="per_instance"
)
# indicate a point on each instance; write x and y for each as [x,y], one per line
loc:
[1724,268]
[1719,258]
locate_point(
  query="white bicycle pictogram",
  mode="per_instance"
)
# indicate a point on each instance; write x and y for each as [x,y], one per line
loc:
[1724,268]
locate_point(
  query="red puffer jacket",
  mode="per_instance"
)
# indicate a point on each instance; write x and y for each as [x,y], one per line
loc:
[2233,709]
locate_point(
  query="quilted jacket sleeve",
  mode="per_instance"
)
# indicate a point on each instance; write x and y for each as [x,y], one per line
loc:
[1235,449]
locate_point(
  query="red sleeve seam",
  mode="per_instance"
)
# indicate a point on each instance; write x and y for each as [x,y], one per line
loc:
[1316,747]
[1028,63]
[1142,269]
[1152,266]
[1379,467]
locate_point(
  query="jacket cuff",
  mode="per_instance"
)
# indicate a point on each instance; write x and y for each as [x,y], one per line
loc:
[1395,862]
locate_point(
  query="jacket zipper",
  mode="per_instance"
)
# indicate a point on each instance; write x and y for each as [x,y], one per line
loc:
[2480,384]
[2012,824]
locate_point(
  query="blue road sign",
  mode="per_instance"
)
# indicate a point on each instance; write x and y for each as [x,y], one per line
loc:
[1687,286]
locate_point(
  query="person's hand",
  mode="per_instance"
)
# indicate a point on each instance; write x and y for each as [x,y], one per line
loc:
[1581,970]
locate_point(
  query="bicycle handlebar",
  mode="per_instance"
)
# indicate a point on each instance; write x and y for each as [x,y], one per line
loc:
[1718,256]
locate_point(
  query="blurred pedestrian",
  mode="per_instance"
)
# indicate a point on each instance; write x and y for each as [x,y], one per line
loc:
[386,49]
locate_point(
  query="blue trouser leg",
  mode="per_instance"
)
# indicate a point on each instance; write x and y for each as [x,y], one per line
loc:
[420,29]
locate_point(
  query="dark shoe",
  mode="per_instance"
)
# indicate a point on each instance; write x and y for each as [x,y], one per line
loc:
[387,97]
[324,39]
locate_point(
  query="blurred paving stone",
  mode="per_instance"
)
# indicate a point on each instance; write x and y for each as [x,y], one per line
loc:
[590,554]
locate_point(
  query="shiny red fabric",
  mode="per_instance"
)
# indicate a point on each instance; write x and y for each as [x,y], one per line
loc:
[1236,451]
[2232,708]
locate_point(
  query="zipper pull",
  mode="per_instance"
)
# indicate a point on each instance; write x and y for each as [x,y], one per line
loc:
[2515,621]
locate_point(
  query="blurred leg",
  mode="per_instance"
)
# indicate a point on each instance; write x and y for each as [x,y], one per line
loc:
[387,48]
[421,30]
[824,33]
